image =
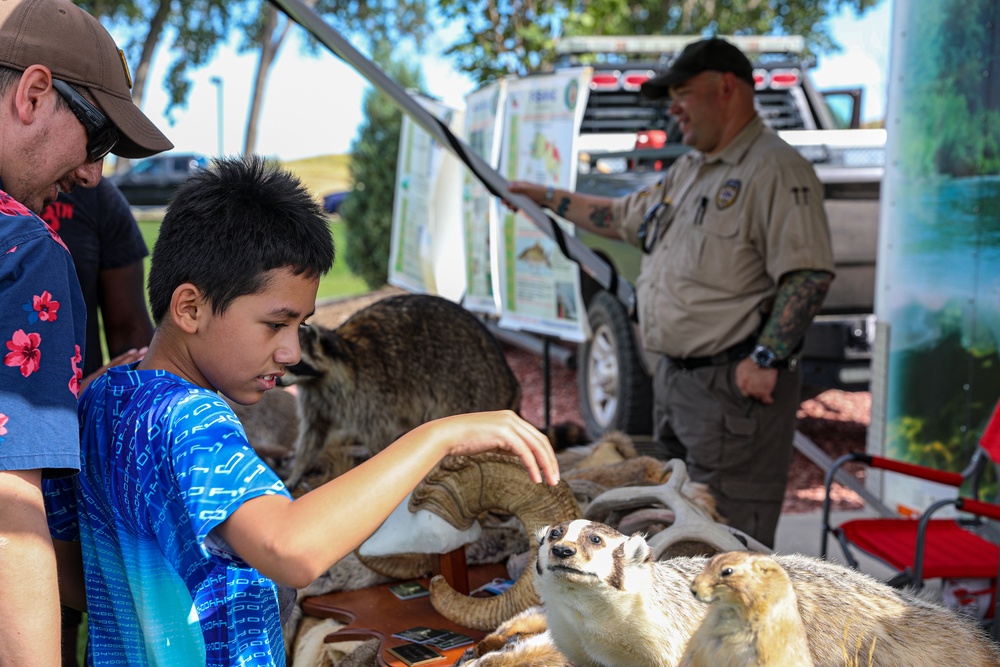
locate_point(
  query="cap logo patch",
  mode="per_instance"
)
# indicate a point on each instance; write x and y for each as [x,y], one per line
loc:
[128,74]
[728,193]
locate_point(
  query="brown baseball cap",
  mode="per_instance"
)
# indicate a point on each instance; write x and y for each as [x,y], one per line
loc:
[714,54]
[78,50]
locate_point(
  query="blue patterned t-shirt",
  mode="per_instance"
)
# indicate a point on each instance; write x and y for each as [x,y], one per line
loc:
[163,463]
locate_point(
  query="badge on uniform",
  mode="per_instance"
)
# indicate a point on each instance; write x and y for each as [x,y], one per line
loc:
[728,194]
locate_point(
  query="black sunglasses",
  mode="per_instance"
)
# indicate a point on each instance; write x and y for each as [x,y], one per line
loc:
[649,230]
[101,134]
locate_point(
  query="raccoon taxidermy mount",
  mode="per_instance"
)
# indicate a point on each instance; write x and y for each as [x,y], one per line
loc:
[390,367]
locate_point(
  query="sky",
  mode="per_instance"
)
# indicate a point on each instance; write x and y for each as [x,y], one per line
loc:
[313,103]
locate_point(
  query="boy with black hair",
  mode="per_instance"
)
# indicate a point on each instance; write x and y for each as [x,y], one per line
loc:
[184,530]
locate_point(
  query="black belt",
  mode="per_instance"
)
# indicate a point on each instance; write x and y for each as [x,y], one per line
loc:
[735,353]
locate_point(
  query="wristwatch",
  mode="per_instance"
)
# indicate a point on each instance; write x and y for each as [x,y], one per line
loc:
[550,193]
[763,357]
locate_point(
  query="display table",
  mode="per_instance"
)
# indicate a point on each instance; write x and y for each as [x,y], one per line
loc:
[376,613]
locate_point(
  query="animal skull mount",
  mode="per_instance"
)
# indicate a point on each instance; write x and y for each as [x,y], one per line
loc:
[693,530]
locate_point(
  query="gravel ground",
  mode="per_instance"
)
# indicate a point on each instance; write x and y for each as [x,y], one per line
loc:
[836,421]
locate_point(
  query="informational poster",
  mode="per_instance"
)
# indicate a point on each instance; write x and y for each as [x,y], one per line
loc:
[480,209]
[540,288]
[938,273]
[426,255]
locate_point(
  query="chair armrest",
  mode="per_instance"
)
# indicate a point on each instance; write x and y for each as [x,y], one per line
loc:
[979,508]
[969,505]
[913,470]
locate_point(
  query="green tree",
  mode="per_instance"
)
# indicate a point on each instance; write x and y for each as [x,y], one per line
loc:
[367,212]
[378,24]
[517,36]
[951,110]
[195,28]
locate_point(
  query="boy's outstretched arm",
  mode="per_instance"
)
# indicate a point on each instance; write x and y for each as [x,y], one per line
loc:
[294,542]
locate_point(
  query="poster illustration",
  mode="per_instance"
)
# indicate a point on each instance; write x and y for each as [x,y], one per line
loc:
[938,280]
[480,209]
[540,288]
[426,255]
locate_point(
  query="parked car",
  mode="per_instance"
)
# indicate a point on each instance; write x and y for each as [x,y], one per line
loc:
[153,180]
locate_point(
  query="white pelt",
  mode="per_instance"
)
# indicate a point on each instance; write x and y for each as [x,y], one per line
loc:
[348,574]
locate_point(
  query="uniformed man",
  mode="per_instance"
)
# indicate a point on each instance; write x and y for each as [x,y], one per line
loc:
[737,261]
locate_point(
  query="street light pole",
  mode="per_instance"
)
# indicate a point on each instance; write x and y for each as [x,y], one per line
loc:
[217,81]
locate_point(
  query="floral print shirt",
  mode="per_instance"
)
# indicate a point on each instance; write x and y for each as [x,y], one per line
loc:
[42,324]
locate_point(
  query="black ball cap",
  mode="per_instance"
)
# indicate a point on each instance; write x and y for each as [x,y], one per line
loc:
[707,55]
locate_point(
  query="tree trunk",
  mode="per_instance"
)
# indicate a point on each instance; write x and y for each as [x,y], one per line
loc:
[269,45]
[141,72]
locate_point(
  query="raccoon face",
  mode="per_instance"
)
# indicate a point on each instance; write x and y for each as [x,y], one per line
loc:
[587,552]
[310,346]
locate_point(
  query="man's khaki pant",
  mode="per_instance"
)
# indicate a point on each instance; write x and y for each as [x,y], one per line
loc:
[738,446]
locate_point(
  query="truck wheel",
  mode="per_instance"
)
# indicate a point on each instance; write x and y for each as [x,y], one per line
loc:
[614,388]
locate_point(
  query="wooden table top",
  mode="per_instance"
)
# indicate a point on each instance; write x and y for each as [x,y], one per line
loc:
[376,613]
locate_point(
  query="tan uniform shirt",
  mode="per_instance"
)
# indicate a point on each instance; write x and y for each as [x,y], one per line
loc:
[730,227]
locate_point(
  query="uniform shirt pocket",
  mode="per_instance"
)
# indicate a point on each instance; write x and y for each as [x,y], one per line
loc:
[710,244]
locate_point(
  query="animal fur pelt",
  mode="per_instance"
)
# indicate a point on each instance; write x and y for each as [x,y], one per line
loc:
[523,641]
[312,651]
[348,574]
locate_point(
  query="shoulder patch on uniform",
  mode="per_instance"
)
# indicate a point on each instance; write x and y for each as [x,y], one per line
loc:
[728,193]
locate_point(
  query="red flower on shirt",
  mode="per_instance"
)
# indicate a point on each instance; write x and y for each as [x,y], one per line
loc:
[10,206]
[74,382]
[46,307]
[3,423]
[24,352]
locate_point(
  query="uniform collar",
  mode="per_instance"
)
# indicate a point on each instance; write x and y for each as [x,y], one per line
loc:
[733,153]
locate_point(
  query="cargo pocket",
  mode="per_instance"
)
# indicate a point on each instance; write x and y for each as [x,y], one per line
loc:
[737,453]
[718,447]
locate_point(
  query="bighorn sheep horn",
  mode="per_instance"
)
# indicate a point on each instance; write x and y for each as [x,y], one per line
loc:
[692,525]
[463,487]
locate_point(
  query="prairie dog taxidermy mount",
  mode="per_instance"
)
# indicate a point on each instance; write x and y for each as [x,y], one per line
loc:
[753,617]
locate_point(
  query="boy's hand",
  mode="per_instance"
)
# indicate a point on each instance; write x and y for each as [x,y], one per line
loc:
[501,431]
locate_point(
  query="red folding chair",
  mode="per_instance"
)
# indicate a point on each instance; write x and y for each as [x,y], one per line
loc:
[927,548]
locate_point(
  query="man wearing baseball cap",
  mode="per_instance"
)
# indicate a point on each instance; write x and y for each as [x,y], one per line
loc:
[737,260]
[64,105]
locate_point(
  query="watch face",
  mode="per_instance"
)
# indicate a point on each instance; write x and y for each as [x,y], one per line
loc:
[762,357]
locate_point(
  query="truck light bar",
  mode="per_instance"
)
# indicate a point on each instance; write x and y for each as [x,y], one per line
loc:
[611,80]
[633,79]
[605,80]
[657,44]
[760,79]
[785,78]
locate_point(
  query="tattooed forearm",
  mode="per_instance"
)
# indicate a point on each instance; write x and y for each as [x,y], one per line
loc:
[563,207]
[600,216]
[799,297]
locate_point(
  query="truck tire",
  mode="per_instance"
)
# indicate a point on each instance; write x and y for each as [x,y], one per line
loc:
[614,389]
